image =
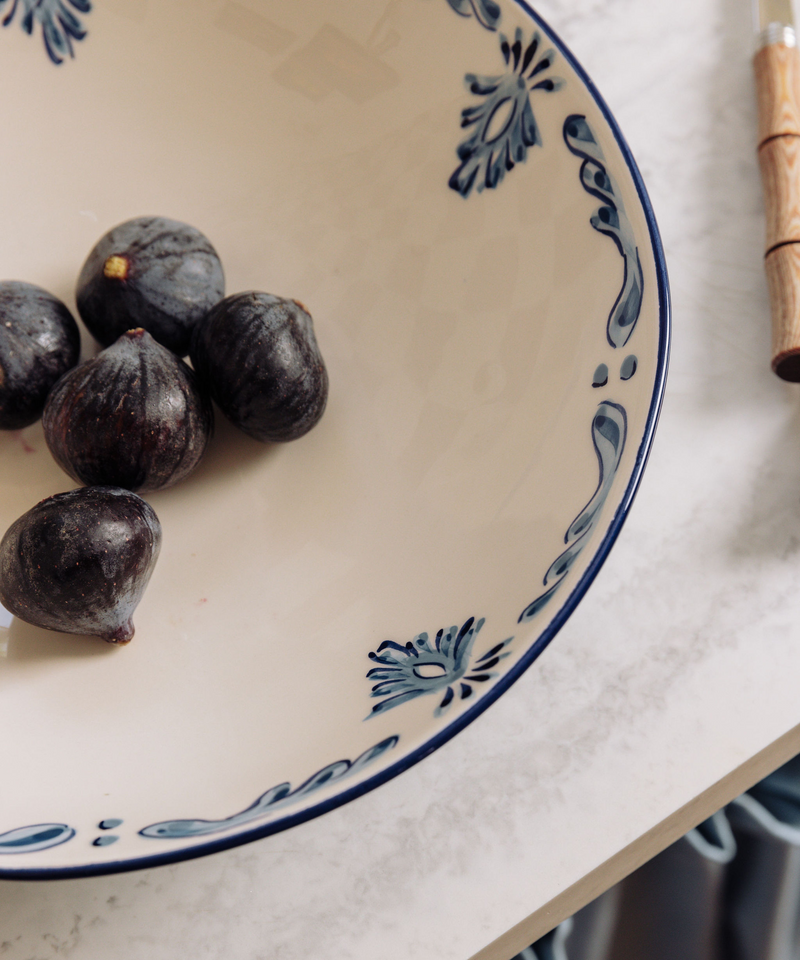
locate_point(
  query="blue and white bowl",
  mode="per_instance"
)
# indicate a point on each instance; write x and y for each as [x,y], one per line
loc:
[442,186]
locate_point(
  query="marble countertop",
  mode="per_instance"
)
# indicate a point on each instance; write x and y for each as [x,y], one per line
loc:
[672,688]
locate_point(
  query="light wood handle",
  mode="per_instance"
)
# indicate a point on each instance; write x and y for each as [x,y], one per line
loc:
[779,160]
[783,279]
[777,71]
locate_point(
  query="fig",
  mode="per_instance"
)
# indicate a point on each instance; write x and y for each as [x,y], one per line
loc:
[258,357]
[79,562]
[133,416]
[39,341]
[150,272]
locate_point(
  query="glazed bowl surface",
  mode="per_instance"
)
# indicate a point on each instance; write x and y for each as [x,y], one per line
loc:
[442,186]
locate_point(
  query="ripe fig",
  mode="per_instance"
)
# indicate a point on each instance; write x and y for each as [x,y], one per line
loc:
[133,416]
[79,562]
[258,357]
[159,274]
[39,341]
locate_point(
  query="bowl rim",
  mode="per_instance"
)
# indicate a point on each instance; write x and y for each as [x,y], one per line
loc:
[441,737]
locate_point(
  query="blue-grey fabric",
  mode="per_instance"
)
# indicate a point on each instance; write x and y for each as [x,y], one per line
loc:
[727,890]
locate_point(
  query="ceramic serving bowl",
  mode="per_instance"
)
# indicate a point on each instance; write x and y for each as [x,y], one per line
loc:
[442,186]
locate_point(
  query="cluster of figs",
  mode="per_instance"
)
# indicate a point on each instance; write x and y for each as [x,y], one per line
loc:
[136,416]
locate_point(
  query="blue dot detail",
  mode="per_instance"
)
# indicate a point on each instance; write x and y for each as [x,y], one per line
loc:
[105,841]
[109,824]
[628,368]
[600,378]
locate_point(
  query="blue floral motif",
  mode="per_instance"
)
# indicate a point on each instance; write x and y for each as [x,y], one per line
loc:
[105,841]
[600,378]
[486,12]
[609,424]
[628,367]
[503,122]
[40,836]
[110,824]
[426,666]
[60,26]
[612,221]
[275,798]
[609,430]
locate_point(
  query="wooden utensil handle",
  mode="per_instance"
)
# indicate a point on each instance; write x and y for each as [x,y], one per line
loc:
[777,71]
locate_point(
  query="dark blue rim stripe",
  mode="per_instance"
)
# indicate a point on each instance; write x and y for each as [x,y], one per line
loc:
[436,741]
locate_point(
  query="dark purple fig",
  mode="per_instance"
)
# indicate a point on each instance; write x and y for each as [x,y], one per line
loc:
[79,562]
[133,417]
[39,341]
[159,274]
[258,357]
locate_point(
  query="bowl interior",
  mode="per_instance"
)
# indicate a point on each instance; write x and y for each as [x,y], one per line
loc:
[469,285]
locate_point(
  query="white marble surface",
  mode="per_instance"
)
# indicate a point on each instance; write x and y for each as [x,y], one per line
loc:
[679,667]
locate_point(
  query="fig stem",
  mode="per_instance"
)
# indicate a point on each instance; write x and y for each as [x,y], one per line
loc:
[116,267]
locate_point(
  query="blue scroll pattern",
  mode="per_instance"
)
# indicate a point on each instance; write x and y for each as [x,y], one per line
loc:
[609,424]
[59,23]
[486,12]
[609,428]
[426,666]
[611,220]
[40,836]
[275,798]
[503,124]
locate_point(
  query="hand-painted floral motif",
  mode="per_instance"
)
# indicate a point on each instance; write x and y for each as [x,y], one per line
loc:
[486,11]
[503,122]
[105,841]
[609,424]
[609,429]
[612,221]
[40,836]
[600,378]
[426,666]
[60,26]
[275,798]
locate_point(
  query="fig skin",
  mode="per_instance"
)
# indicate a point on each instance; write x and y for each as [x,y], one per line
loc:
[134,416]
[257,355]
[150,272]
[39,342]
[79,562]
